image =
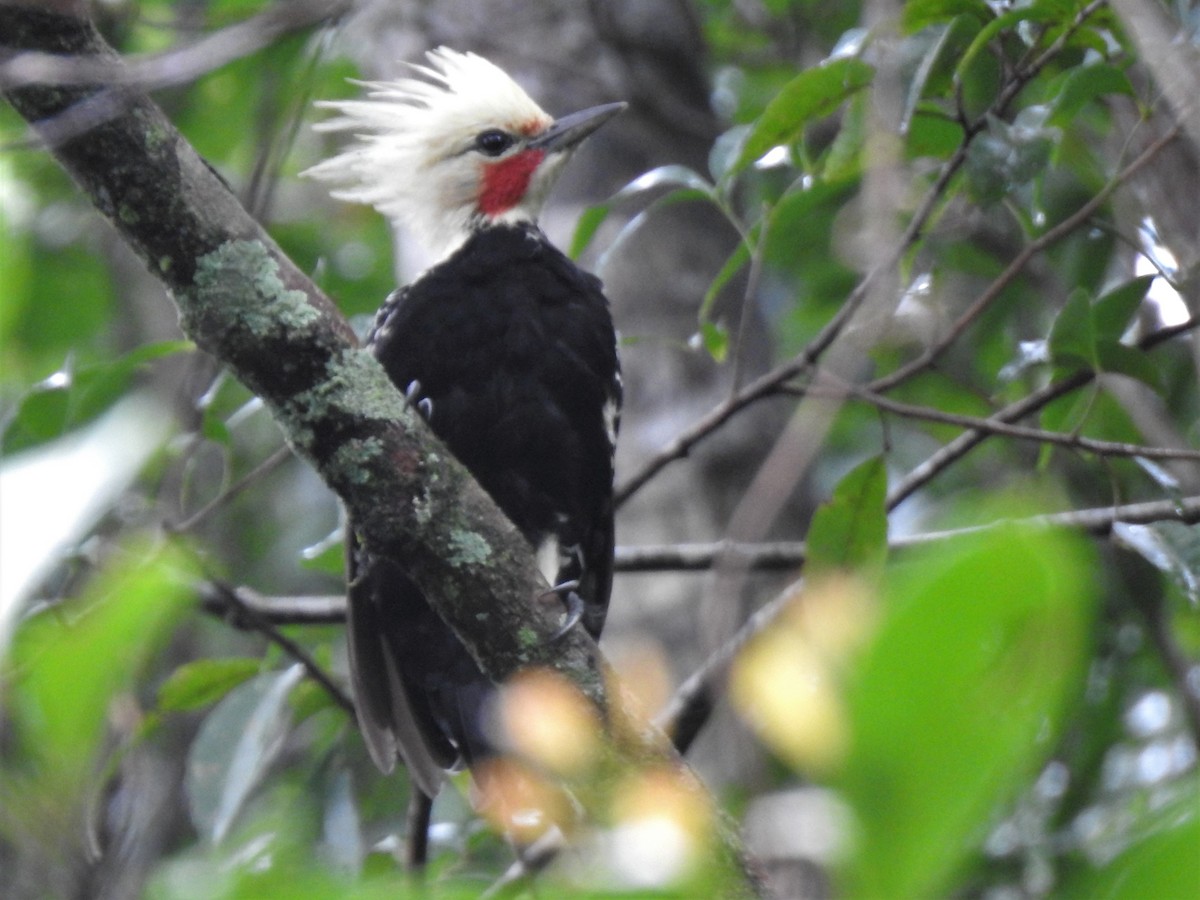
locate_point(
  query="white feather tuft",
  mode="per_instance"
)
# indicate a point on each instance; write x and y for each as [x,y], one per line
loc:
[410,160]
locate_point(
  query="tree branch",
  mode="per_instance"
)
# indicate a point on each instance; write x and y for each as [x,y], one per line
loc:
[999,428]
[968,440]
[176,66]
[228,602]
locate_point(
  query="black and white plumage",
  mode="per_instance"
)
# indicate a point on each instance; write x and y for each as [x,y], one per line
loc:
[511,350]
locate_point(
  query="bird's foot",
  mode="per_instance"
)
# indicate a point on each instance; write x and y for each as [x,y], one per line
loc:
[572,604]
[413,398]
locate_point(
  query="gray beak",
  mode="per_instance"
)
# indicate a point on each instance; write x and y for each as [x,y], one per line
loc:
[570,130]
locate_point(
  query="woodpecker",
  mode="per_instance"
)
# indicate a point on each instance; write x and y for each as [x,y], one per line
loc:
[508,349]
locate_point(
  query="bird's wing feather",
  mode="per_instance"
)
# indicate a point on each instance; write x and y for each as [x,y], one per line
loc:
[386,717]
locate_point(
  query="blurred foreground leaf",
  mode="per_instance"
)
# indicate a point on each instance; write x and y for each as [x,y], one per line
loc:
[981,648]
[74,397]
[236,746]
[1165,863]
[849,531]
[197,684]
[67,667]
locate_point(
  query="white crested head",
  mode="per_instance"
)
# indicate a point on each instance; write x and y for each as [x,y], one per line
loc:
[456,146]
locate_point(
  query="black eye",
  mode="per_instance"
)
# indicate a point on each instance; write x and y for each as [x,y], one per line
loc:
[493,142]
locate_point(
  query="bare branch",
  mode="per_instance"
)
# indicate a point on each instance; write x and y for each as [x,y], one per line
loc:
[689,709]
[22,68]
[771,557]
[968,440]
[226,602]
[325,609]
[267,466]
[1019,432]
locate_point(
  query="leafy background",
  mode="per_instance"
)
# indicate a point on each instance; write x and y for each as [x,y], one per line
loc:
[953,293]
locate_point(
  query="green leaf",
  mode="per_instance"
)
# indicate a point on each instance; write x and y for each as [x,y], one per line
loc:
[811,95]
[919,14]
[1122,359]
[725,152]
[215,429]
[73,398]
[1162,864]
[1082,85]
[738,260]
[933,134]
[1073,335]
[933,76]
[849,531]
[1114,311]
[716,340]
[68,665]
[235,748]
[1171,547]
[203,682]
[959,700]
[843,160]
[1038,11]
[327,555]
[688,184]
[1088,334]
[17,265]
[976,84]
[1009,156]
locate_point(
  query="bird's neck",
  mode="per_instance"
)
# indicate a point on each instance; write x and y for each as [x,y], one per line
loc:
[479,225]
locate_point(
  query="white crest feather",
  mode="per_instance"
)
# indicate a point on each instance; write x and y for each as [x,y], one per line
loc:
[410,161]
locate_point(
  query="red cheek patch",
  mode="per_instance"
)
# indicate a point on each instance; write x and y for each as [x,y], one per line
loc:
[505,182]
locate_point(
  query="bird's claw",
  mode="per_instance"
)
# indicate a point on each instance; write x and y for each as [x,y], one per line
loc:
[413,398]
[573,604]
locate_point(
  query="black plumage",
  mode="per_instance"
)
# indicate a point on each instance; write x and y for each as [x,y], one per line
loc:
[514,347]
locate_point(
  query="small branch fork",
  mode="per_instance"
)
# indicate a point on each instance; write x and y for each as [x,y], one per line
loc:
[235,605]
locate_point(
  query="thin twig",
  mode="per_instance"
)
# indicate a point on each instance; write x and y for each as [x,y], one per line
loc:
[330,609]
[775,556]
[177,66]
[1018,432]
[227,599]
[532,860]
[968,440]
[268,465]
[315,609]
[1034,247]
[790,555]
[689,708]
